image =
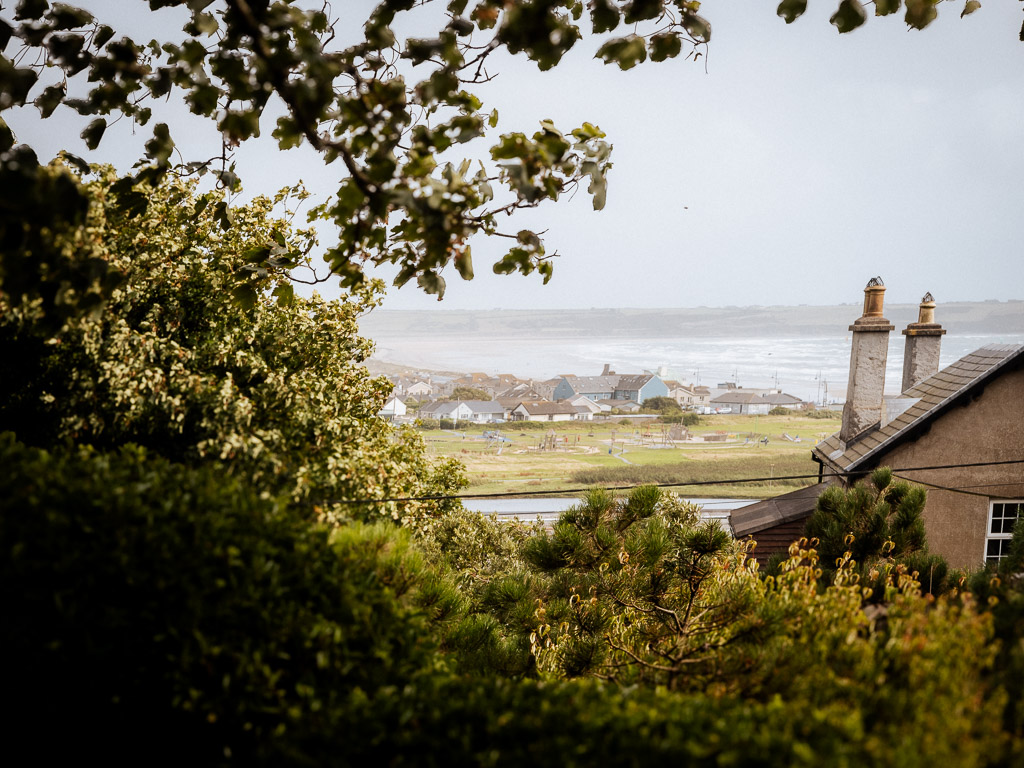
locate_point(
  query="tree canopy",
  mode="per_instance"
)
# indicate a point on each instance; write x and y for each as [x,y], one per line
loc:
[396,113]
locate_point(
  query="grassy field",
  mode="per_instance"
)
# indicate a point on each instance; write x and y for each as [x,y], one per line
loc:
[570,455]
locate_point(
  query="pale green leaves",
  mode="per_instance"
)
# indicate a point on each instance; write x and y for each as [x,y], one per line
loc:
[627,51]
[970,7]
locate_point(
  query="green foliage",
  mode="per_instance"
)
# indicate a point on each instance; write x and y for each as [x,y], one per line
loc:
[663,405]
[779,411]
[389,109]
[691,419]
[877,524]
[273,390]
[469,393]
[149,604]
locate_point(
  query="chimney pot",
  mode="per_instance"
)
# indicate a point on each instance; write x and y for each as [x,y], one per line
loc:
[874,297]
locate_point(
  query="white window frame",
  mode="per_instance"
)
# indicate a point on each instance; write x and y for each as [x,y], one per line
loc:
[1003,536]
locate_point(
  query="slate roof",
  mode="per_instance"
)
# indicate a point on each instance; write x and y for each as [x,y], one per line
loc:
[795,505]
[633,383]
[930,399]
[781,398]
[592,383]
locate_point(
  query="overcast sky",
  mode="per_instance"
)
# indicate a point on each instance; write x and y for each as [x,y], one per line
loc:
[788,167]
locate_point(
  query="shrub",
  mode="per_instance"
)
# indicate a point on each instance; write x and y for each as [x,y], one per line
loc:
[691,419]
[446,424]
[779,411]
[428,424]
[151,604]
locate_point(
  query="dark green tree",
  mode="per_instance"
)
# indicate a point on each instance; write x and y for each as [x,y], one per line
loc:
[879,525]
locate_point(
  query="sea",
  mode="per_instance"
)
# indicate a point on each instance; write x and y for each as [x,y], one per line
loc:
[815,369]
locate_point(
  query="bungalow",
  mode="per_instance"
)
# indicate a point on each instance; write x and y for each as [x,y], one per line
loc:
[959,432]
[543,411]
[476,411]
[625,406]
[738,401]
[782,400]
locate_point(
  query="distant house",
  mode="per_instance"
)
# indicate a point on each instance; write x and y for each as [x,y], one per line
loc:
[476,411]
[738,401]
[543,411]
[612,387]
[958,431]
[419,390]
[782,400]
[626,406]
[585,407]
[392,408]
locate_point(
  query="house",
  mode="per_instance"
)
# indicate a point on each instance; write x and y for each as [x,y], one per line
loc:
[476,411]
[419,390]
[738,401]
[392,408]
[612,387]
[543,411]
[959,432]
[585,407]
[624,406]
[782,400]
[456,410]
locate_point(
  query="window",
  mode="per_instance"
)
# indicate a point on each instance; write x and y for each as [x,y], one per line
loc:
[1002,517]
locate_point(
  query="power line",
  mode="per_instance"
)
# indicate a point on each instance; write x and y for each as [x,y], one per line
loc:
[684,483]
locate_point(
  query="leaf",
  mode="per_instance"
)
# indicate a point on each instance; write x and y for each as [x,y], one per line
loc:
[285,294]
[49,99]
[604,16]
[75,162]
[159,148]
[627,51]
[245,295]
[31,9]
[665,45]
[969,8]
[492,121]
[920,13]
[6,136]
[464,263]
[698,27]
[791,10]
[849,16]
[6,30]
[885,7]
[641,10]
[94,132]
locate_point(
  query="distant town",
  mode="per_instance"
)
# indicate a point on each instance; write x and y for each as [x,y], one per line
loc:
[481,398]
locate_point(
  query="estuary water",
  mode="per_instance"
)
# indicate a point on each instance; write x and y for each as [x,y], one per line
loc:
[812,368]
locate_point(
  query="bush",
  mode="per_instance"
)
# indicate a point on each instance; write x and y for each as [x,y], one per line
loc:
[156,606]
[691,419]
[779,411]
[822,414]
[446,424]
[428,424]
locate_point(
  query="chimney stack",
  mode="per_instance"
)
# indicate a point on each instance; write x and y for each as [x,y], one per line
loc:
[607,369]
[921,355]
[865,405]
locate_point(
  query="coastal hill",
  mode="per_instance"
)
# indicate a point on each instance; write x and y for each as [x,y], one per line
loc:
[988,317]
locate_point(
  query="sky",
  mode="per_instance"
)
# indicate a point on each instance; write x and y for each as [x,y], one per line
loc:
[788,166]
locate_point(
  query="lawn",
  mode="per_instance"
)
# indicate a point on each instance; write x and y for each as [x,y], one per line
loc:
[571,455]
